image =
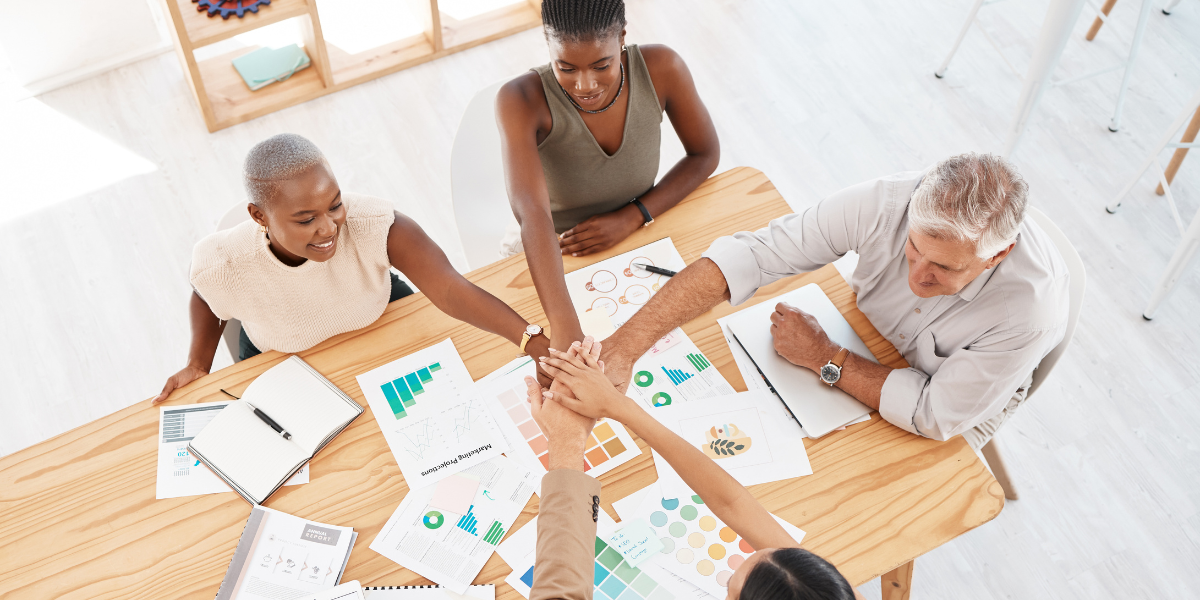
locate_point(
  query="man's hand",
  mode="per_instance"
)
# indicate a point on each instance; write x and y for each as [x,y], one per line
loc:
[583,374]
[189,374]
[799,337]
[600,232]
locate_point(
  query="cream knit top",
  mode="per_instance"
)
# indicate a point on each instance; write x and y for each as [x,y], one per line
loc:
[291,309]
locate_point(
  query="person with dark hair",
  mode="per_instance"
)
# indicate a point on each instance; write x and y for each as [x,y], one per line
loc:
[580,138]
[778,570]
[312,263]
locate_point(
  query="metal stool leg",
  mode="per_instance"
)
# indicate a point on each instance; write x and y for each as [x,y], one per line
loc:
[1134,48]
[1170,5]
[1179,262]
[1166,139]
[1189,136]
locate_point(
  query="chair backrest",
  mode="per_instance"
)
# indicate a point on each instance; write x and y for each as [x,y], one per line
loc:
[481,207]
[1078,284]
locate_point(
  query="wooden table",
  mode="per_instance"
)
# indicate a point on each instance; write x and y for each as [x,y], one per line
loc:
[78,518]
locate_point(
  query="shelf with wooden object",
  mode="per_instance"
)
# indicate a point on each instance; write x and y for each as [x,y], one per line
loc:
[225,100]
[203,30]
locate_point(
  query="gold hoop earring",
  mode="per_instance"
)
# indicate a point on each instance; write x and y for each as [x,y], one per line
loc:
[262,228]
[623,48]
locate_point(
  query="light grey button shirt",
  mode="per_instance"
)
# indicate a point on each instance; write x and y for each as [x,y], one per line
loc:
[968,352]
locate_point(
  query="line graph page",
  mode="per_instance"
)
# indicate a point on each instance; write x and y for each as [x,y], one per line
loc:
[431,414]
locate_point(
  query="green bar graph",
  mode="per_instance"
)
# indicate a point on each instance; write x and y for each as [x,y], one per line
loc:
[414,384]
[402,389]
[393,400]
[494,533]
[424,376]
[699,361]
[435,367]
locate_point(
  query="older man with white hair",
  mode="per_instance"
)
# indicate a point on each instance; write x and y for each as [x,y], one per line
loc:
[971,293]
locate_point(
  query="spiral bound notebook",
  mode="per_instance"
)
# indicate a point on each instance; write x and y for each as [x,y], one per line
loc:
[428,592]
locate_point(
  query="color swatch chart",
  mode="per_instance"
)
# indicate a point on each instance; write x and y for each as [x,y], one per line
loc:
[403,391]
[608,446]
[614,578]
[698,546]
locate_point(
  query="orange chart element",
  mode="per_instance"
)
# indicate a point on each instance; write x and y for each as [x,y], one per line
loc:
[725,440]
[602,444]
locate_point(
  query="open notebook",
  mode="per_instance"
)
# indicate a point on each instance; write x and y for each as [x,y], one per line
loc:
[251,456]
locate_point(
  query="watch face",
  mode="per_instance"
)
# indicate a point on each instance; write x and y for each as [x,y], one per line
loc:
[533,329]
[830,374]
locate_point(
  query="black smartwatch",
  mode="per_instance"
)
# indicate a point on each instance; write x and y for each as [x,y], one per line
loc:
[645,213]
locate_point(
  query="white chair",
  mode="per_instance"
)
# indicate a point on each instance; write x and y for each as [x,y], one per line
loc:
[1190,244]
[1101,17]
[233,327]
[477,187]
[991,451]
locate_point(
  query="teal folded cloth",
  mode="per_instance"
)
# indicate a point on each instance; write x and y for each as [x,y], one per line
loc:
[268,65]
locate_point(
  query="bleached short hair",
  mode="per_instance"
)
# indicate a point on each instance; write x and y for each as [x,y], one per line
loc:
[975,198]
[277,158]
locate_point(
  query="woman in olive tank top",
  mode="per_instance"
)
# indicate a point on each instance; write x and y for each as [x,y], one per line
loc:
[580,139]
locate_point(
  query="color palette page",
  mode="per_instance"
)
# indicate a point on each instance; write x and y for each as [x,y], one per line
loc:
[697,546]
[614,578]
[451,548]
[750,435]
[431,416]
[675,371]
[617,287]
[506,394]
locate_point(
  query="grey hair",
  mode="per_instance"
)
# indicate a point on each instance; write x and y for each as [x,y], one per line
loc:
[277,158]
[975,198]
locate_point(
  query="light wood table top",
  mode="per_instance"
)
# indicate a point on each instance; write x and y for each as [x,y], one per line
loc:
[78,517]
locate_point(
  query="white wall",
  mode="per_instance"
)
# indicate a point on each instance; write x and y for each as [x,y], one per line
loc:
[51,44]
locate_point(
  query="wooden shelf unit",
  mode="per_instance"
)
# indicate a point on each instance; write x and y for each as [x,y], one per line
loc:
[225,100]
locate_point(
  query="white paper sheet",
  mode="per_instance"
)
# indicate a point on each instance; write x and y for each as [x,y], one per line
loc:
[616,287]
[351,590]
[431,414]
[449,548]
[181,474]
[749,434]
[286,557]
[698,547]
[423,592]
[675,371]
[623,582]
[505,394]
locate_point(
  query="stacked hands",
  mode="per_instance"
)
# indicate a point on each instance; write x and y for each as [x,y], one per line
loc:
[580,395]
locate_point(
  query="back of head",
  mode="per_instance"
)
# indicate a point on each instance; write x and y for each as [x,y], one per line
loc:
[976,198]
[795,574]
[583,20]
[277,158]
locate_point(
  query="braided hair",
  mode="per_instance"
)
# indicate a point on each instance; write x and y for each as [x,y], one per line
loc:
[583,20]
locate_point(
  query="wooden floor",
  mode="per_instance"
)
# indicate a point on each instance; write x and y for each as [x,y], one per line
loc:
[111,194]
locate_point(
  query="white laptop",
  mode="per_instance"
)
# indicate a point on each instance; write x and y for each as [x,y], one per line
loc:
[818,407]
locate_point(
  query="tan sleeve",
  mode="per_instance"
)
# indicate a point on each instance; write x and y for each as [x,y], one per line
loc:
[566,536]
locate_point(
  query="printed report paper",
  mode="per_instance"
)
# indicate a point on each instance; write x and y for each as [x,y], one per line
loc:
[180,473]
[284,556]
[451,548]
[431,414]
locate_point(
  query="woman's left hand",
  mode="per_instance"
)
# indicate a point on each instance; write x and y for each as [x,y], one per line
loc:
[600,232]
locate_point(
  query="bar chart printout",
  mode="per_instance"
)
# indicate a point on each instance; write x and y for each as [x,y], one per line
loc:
[451,548]
[403,391]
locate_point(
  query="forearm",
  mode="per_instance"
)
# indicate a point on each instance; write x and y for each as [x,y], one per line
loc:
[681,180]
[546,267]
[729,500]
[863,379]
[471,304]
[689,294]
[206,333]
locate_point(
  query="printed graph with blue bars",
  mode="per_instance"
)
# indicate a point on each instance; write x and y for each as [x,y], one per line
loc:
[678,376]
[468,522]
[403,391]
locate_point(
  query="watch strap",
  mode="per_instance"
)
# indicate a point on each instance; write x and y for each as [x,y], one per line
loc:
[646,218]
[525,337]
[840,358]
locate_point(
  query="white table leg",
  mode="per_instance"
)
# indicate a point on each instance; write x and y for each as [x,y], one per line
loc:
[1060,20]
[1179,262]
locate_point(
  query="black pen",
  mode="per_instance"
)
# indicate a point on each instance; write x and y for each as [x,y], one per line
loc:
[654,269]
[265,419]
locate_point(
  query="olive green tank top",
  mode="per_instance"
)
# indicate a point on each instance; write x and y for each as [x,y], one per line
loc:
[581,178]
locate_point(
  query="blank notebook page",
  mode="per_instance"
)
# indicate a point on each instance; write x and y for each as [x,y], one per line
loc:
[247,450]
[301,402]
